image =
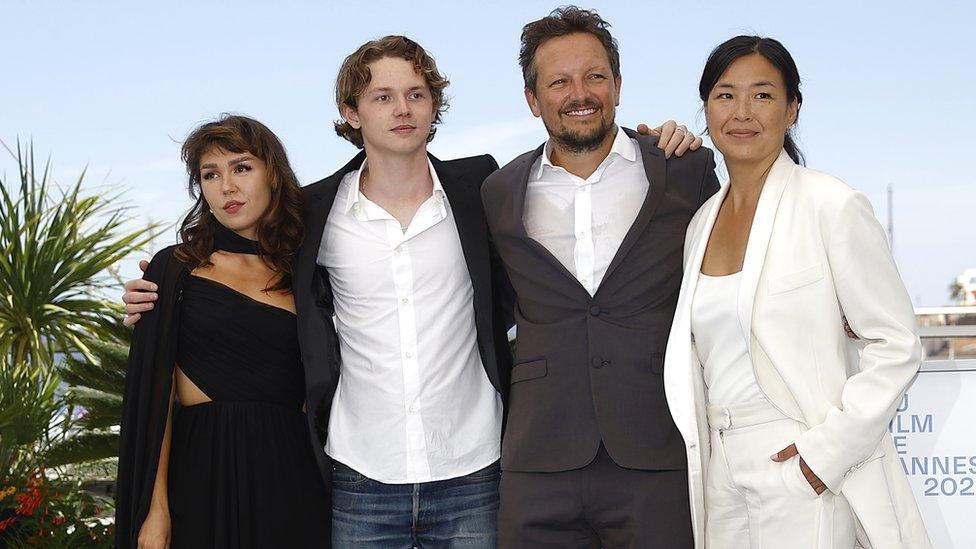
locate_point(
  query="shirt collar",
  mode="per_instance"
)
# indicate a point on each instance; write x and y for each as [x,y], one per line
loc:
[355,198]
[622,146]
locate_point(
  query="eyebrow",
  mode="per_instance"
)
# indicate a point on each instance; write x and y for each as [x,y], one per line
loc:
[594,68]
[753,85]
[388,89]
[232,162]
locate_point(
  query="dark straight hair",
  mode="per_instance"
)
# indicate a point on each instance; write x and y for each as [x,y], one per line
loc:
[774,52]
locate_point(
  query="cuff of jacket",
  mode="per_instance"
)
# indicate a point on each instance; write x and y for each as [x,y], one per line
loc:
[830,462]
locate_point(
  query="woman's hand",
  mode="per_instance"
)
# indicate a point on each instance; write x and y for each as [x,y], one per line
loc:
[790,451]
[155,531]
[674,138]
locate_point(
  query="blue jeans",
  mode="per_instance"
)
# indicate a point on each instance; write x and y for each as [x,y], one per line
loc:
[456,513]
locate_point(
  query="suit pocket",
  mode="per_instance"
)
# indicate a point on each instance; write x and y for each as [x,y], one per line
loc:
[794,480]
[532,369]
[796,280]
[657,363]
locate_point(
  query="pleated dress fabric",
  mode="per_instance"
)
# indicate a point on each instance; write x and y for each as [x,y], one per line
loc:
[242,471]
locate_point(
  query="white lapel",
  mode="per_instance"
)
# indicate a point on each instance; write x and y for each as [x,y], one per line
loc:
[680,387]
[700,240]
[762,229]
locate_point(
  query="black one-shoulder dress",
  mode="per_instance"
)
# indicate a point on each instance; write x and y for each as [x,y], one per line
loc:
[242,472]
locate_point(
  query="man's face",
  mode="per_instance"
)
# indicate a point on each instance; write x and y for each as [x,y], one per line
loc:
[396,110]
[576,93]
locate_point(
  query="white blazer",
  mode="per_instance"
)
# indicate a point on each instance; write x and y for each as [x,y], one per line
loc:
[815,254]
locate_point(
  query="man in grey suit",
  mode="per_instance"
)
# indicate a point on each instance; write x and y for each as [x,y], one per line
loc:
[590,227]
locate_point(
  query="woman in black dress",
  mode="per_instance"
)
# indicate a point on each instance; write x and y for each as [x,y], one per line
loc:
[215,447]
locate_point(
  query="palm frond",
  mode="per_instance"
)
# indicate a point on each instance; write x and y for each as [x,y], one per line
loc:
[55,247]
[81,448]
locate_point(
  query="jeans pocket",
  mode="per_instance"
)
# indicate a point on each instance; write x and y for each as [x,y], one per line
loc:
[344,475]
[490,473]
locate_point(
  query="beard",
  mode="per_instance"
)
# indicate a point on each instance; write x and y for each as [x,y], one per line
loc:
[575,141]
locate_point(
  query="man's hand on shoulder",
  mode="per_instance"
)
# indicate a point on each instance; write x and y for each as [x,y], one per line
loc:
[674,138]
[138,297]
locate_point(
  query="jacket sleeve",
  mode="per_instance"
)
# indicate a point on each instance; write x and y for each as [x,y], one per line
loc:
[878,309]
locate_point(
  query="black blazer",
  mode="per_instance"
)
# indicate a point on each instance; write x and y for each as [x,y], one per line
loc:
[590,368]
[462,181]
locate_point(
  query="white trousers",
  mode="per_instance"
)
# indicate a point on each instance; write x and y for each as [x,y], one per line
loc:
[754,502]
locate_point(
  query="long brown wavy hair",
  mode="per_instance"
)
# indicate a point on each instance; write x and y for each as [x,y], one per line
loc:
[280,229]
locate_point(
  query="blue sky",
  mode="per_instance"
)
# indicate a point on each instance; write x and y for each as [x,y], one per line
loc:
[115,86]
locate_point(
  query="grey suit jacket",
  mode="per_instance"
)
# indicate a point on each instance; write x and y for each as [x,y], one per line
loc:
[589,368]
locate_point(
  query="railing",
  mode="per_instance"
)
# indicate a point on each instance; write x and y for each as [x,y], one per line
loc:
[944,331]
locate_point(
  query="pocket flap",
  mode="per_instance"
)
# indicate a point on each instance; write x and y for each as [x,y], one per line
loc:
[792,281]
[529,370]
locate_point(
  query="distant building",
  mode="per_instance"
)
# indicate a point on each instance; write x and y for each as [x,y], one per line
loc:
[966,282]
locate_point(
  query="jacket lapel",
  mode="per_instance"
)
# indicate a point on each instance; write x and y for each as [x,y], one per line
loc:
[521,178]
[470,228]
[699,243]
[762,228]
[679,357]
[319,204]
[655,169]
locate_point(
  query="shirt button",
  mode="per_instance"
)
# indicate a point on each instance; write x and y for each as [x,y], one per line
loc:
[408,354]
[398,250]
[405,300]
[597,362]
[413,408]
[595,310]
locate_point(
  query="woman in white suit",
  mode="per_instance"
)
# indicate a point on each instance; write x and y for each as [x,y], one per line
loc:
[786,437]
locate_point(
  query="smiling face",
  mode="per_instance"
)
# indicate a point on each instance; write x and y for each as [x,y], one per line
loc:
[237,189]
[576,93]
[747,111]
[395,111]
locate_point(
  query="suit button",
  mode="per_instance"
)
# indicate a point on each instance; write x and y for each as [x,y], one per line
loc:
[597,362]
[595,310]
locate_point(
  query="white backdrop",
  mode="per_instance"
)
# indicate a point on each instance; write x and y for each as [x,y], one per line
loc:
[935,436]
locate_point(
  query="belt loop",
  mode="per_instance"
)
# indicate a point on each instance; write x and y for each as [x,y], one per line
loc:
[728,418]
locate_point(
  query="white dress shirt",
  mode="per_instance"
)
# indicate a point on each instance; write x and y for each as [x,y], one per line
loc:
[726,364]
[414,403]
[583,221]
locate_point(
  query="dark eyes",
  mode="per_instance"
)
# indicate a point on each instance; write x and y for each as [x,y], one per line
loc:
[239,168]
[760,95]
